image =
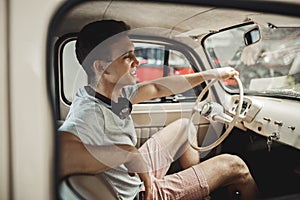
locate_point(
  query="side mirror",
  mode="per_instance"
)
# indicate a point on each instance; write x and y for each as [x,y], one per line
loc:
[251,36]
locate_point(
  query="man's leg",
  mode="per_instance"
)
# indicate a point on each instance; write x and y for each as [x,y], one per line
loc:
[167,145]
[222,170]
[219,171]
[198,181]
[230,170]
[174,136]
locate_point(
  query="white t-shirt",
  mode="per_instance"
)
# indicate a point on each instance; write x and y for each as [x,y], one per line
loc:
[94,123]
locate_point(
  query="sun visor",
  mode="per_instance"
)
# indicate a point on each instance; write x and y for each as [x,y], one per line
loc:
[153,33]
[275,20]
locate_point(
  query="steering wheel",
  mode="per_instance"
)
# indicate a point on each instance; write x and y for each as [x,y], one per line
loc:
[214,111]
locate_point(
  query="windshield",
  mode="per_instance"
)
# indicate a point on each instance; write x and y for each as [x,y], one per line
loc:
[270,66]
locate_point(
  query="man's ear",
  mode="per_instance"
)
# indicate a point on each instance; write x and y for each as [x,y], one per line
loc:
[98,66]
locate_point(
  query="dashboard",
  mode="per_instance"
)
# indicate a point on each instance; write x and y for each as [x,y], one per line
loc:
[276,119]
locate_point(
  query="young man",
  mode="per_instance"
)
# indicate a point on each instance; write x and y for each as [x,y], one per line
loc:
[98,134]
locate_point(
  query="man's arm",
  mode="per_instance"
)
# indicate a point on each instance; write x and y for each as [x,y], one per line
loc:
[77,158]
[176,84]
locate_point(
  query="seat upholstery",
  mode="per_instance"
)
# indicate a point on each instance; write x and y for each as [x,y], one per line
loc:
[86,187]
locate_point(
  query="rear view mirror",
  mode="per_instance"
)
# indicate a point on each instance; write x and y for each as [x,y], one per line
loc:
[251,36]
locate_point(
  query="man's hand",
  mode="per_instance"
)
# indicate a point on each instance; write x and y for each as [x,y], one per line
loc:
[226,73]
[136,164]
[145,177]
[221,73]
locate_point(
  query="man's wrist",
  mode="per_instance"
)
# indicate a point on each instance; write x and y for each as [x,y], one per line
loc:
[209,74]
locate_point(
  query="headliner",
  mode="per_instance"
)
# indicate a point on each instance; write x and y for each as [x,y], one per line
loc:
[189,19]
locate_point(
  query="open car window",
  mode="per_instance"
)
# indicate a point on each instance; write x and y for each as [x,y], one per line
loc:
[270,67]
[156,61]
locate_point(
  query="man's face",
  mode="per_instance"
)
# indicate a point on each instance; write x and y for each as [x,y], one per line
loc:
[122,69]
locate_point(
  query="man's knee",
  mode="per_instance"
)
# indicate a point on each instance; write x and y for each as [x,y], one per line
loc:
[237,167]
[181,126]
[182,122]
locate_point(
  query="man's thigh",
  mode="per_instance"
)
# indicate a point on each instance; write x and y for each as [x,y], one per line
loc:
[157,156]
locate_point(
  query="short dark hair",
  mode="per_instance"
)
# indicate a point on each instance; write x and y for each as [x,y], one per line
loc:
[92,35]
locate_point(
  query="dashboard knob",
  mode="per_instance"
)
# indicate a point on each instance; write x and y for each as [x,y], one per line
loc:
[267,119]
[279,123]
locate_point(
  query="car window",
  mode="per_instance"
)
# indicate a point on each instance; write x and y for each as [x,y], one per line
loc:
[270,66]
[156,61]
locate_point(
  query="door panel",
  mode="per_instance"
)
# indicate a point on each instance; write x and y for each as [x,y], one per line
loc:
[150,118]
[4,119]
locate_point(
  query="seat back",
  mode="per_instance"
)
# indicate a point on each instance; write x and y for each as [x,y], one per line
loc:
[86,187]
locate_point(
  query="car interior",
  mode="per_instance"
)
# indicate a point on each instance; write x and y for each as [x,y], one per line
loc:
[254,116]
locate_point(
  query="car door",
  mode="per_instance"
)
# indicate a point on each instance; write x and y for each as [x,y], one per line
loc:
[4,120]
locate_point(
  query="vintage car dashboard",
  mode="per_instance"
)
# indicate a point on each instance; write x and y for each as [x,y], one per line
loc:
[276,119]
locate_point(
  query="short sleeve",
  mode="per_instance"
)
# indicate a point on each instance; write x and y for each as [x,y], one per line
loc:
[86,122]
